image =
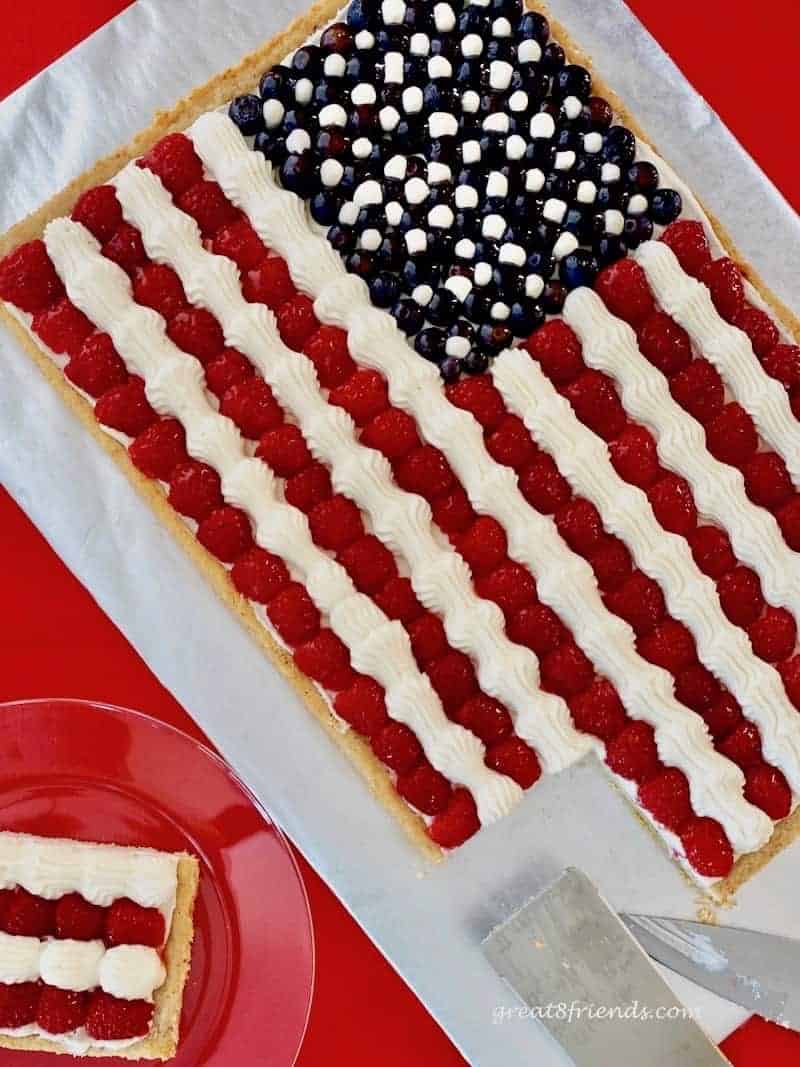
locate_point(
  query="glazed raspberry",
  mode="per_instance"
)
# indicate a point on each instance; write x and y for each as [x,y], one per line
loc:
[60,1010]
[226,533]
[336,523]
[484,717]
[62,327]
[580,525]
[369,563]
[128,923]
[665,344]
[327,349]
[240,242]
[392,432]
[197,332]
[28,279]
[99,211]
[624,289]
[688,241]
[515,759]
[208,206]
[428,639]
[697,688]
[159,287]
[543,485]
[398,600]
[453,678]
[767,480]
[109,1019]
[362,396]
[724,280]
[478,396]
[723,716]
[788,517]
[397,747]
[594,398]
[557,350]
[284,449]
[483,545]
[639,601]
[707,848]
[767,788]
[175,161]
[226,369]
[452,512]
[743,744]
[424,471]
[783,363]
[632,753]
[634,456]
[774,635]
[670,645]
[425,789]
[27,915]
[77,919]
[598,710]
[194,489]
[699,390]
[269,283]
[712,551]
[510,586]
[740,595]
[362,705]
[125,408]
[510,443]
[308,488]
[18,1004]
[731,436]
[666,797]
[253,408]
[260,576]
[159,449]
[125,248]
[566,670]
[611,563]
[673,504]
[457,823]
[325,659]
[293,614]
[97,367]
[759,327]
[790,673]
[537,627]
[297,321]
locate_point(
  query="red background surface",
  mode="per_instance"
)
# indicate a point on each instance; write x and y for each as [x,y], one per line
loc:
[57,642]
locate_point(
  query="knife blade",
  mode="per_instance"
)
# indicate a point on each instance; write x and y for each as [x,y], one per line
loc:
[759,971]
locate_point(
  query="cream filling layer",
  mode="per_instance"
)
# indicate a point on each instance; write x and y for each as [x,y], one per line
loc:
[76,1042]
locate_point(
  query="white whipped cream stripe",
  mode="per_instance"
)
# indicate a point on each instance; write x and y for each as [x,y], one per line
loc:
[402,520]
[76,1042]
[174,385]
[610,345]
[689,302]
[565,580]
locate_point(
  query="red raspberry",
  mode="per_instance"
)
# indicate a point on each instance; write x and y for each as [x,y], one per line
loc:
[457,823]
[634,456]
[485,717]
[632,753]
[425,789]
[60,1011]
[580,525]
[260,576]
[510,443]
[424,471]
[336,523]
[362,396]
[175,161]
[197,332]
[774,635]
[712,551]
[308,488]
[566,670]
[284,449]
[537,627]
[226,533]
[790,673]
[510,586]
[240,242]
[253,408]
[159,287]
[453,678]
[759,327]
[18,1004]
[740,595]
[297,321]
[732,436]
[483,545]
[670,645]
[598,710]
[129,923]
[743,744]
[97,367]
[673,504]
[208,206]
[125,408]
[515,759]
[697,688]
[362,705]
[327,349]
[293,614]
[767,788]
[159,449]
[109,1019]
[478,396]
[767,480]
[125,248]
[667,799]
[699,390]
[226,369]
[397,747]
[194,489]
[326,659]
[28,279]
[269,283]
[557,350]
[27,915]
[723,716]
[369,563]
[398,600]
[783,363]
[665,344]
[624,289]
[78,920]
[99,211]
[62,327]
[594,398]
[688,241]
[707,848]
[724,280]
[788,517]
[611,563]
[392,432]
[428,639]
[452,511]
[639,601]
[543,485]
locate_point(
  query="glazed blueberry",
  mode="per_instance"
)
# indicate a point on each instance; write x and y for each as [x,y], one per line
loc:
[478,302]
[588,167]
[536,81]
[637,230]
[384,289]
[526,316]
[478,362]
[619,146]
[642,177]
[553,297]
[297,174]
[443,308]
[493,337]
[342,238]
[338,38]
[409,316]
[553,58]
[533,26]
[665,206]
[579,268]
[328,91]
[332,144]
[392,251]
[611,196]
[609,249]
[271,146]
[307,61]
[276,84]
[246,112]
[324,208]
[473,19]
[572,80]
[450,369]
[510,9]
[541,263]
[578,220]
[358,14]
[430,344]
[361,264]
[598,113]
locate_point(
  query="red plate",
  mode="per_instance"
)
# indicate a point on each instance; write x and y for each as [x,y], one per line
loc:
[70,768]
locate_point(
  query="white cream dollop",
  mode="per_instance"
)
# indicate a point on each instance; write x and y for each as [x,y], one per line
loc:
[131,972]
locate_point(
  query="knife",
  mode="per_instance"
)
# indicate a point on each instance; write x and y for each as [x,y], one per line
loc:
[761,972]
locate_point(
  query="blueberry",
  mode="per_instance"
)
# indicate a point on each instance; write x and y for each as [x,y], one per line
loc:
[492,338]
[477,304]
[561,185]
[332,144]
[510,9]
[327,91]
[246,112]
[553,297]
[342,238]
[536,81]
[553,58]
[360,68]
[307,61]
[467,73]
[642,177]
[409,316]
[619,146]
[541,263]
[338,37]
[358,15]
[393,39]
[298,175]
[587,167]
[478,362]
[609,249]
[611,196]
[450,369]
[525,317]
[361,263]
[473,19]
[579,268]
[637,230]
[270,145]
[443,308]
[598,113]
[572,80]
[540,154]
[275,84]
[384,289]
[391,251]
[324,208]
[579,221]
[533,26]
[665,206]
[499,48]
[430,344]
[407,136]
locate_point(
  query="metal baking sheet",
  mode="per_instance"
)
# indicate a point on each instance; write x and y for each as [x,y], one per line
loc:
[428,921]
